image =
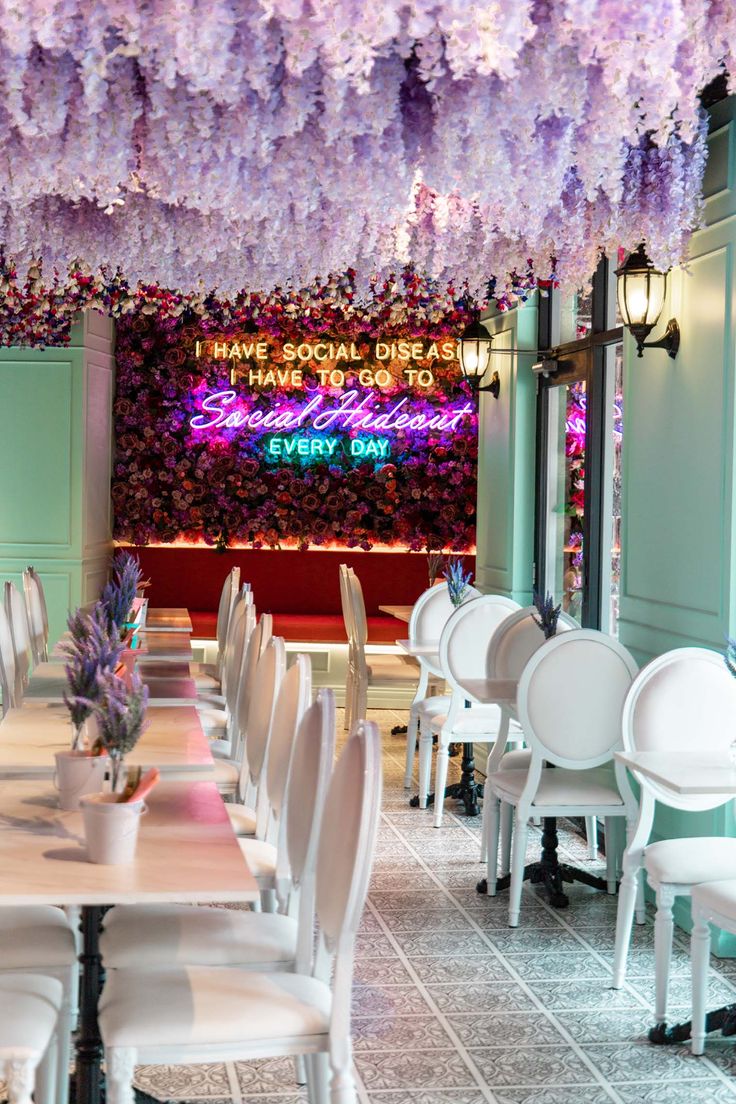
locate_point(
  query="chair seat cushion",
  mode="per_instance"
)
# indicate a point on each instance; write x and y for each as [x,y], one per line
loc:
[242,819]
[34,936]
[29,1006]
[689,861]
[197,1005]
[205,676]
[516,760]
[260,856]
[430,707]
[479,720]
[226,773]
[212,719]
[560,787]
[186,935]
[221,749]
[719,895]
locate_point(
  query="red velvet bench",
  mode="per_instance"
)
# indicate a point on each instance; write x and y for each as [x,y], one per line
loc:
[300,589]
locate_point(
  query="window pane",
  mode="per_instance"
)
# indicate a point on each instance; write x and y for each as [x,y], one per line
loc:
[611,506]
[566,495]
[576,316]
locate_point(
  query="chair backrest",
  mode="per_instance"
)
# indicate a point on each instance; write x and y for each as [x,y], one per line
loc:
[257,644]
[313,752]
[358,616]
[294,696]
[345,853]
[431,612]
[15,609]
[36,614]
[227,598]
[684,700]
[466,637]
[346,602]
[7,662]
[517,640]
[269,673]
[571,698]
[233,655]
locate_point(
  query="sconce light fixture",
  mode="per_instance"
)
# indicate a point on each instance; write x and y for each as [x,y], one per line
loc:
[474,353]
[641,291]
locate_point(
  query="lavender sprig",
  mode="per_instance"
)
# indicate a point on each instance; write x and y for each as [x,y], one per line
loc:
[121,710]
[89,651]
[548,614]
[457,580]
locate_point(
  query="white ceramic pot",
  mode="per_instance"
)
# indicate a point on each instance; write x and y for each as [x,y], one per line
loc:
[111,828]
[78,773]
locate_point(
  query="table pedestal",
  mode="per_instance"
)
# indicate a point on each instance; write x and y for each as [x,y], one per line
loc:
[549,871]
[466,790]
[88,1085]
[723,1018]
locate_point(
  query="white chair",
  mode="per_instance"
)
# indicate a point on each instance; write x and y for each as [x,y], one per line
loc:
[293,698]
[219,714]
[683,699]
[712,903]
[388,669]
[7,663]
[39,939]
[29,1007]
[511,647]
[209,676]
[347,616]
[249,815]
[37,614]
[15,609]
[463,654]
[231,1014]
[228,767]
[429,616]
[186,935]
[570,702]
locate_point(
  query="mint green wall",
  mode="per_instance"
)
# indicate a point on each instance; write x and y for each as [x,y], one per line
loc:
[505,541]
[55,450]
[678,540]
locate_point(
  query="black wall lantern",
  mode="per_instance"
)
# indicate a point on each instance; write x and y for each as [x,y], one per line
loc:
[641,291]
[474,353]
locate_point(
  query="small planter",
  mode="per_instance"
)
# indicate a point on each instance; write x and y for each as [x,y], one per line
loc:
[111,828]
[78,773]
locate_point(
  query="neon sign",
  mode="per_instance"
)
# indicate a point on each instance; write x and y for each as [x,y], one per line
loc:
[286,448]
[352,412]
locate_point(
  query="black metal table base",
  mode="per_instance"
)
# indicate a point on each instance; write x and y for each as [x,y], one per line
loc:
[466,790]
[549,872]
[723,1019]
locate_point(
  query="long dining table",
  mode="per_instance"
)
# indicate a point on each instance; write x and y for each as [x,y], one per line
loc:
[187,852]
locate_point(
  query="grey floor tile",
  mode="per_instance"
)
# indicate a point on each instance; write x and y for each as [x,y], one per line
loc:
[398,1032]
[540,1065]
[707,1091]
[477,998]
[591,1093]
[453,1096]
[459,970]
[505,1029]
[414,1069]
[387,1000]
[640,1061]
[207,1082]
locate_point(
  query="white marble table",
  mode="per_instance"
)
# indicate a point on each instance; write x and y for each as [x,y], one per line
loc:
[48,683]
[174,742]
[168,619]
[401,613]
[683,772]
[187,852]
[161,646]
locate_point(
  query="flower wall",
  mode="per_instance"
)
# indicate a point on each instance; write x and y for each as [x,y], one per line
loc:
[393,464]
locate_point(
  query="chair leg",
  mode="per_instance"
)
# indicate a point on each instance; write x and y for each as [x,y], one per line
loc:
[411,742]
[440,779]
[64,1032]
[300,1069]
[268,900]
[507,831]
[699,959]
[491,812]
[19,1077]
[627,895]
[318,1087]
[360,707]
[591,832]
[46,1075]
[518,855]
[119,1069]
[425,762]
[342,1087]
[610,854]
[663,926]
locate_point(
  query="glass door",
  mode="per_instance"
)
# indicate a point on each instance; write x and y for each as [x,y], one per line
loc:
[565,495]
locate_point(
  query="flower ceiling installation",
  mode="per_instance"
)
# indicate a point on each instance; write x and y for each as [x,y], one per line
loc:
[256,143]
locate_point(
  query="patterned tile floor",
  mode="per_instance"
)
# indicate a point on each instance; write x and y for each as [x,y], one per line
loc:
[454,1007]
